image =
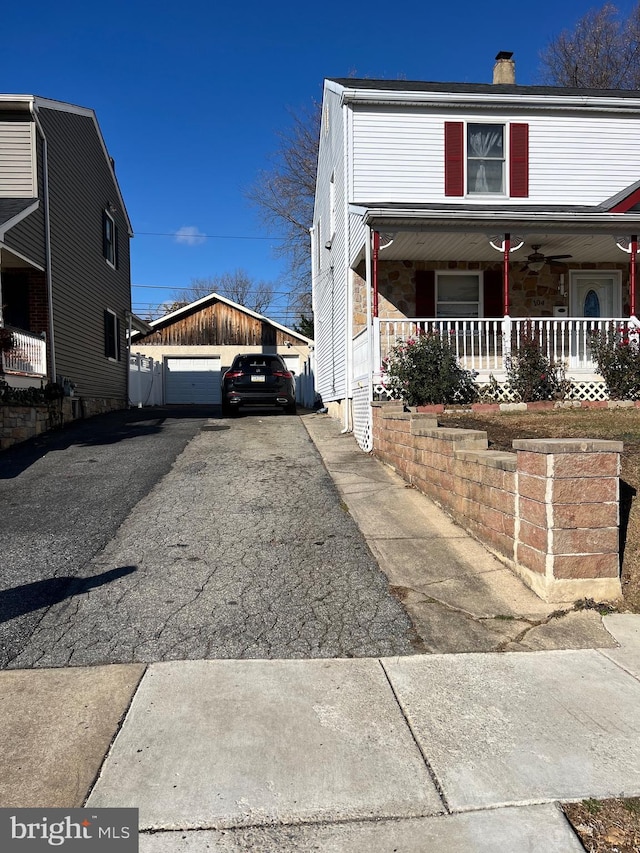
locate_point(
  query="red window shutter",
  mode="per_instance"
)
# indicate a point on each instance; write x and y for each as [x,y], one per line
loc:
[519,161]
[493,293]
[453,158]
[425,293]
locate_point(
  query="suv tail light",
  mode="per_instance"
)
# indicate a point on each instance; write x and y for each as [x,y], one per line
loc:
[234,374]
[284,373]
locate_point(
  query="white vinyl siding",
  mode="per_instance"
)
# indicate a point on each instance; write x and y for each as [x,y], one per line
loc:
[17,161]
[577,159]
[330,279]
[192,380]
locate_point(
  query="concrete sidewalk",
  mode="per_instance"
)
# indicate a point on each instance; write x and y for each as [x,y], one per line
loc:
[454,752]
[465,752]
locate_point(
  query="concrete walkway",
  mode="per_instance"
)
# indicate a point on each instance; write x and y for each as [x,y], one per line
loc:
[459,596]
[465,752]
[454,752]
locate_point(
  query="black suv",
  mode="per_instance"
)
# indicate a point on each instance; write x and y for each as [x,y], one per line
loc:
[258,380]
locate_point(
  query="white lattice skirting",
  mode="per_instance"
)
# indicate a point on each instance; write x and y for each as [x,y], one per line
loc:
[362,418]
[586,390]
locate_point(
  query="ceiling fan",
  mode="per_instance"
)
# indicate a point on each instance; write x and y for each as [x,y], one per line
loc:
[536,260]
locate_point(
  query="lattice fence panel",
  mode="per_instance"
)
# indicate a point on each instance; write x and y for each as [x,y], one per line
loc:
[362,418]
[588,390]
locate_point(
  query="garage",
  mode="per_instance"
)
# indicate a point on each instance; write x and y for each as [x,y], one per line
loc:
[192,380]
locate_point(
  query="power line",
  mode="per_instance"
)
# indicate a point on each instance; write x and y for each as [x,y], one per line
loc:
[187,237]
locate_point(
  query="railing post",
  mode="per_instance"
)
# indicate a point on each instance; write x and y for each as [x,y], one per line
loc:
[506,340]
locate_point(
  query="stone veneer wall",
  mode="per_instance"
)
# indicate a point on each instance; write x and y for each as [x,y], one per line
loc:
[397,288]
[550,510]
[20,423]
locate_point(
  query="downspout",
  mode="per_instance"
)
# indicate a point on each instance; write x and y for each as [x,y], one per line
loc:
[47,239]
[632,274]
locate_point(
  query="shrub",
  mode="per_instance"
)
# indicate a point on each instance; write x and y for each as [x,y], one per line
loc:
[425,370]
[617,354]
[29,396]
[531,374]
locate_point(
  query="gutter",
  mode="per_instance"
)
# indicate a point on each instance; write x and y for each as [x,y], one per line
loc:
[47,238]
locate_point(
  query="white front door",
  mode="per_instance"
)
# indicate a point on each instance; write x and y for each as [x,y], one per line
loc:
[595,294]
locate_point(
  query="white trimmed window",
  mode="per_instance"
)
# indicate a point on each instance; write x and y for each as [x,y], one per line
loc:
[111,335]
[458,295]
[109,239]
[485,159]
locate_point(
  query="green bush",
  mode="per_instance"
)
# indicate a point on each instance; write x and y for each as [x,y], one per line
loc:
[617,354]
[29,396]
[531,374]
[425,370]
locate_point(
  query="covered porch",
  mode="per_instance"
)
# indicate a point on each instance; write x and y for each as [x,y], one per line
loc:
[24,321]
[484,282]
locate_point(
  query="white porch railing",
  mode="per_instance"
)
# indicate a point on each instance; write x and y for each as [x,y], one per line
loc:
[27,356]
[482,344]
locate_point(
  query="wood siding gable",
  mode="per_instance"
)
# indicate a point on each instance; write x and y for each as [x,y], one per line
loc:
[217,324]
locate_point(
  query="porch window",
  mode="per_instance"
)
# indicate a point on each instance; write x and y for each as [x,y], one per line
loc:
[458,295]
[485,158]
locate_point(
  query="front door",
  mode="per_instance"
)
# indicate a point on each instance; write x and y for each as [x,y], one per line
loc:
[595,294]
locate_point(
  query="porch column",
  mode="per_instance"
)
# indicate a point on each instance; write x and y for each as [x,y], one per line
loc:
[505,274]
[370,330]
[376,252]
[632,274]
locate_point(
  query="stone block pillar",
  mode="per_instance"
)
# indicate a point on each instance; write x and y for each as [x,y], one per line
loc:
[566,544]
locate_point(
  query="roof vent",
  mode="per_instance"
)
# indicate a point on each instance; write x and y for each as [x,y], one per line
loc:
[504,71]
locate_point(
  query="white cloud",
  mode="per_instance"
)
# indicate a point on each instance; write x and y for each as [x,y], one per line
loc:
[190,235]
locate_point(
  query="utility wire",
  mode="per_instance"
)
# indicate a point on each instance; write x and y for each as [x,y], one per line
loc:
[186,237]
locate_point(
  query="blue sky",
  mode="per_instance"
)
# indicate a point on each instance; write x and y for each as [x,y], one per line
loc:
[190,98]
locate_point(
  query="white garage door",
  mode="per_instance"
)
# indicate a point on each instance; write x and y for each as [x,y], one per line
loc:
[192,380]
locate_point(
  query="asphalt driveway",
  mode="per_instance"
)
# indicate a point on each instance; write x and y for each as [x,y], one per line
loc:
[141,536]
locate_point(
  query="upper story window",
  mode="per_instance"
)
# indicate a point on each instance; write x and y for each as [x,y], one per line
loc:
[109,239]
[485,159]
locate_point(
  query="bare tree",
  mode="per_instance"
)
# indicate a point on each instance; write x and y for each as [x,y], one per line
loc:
[237,286]
[284,196]
[602,52]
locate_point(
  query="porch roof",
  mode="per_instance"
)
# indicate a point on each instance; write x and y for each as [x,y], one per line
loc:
[447,232]
[12,210]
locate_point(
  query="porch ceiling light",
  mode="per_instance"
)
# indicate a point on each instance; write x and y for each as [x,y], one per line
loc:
[497,243]
[536,266]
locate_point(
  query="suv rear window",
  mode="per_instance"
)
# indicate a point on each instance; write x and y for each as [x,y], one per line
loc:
[246,362]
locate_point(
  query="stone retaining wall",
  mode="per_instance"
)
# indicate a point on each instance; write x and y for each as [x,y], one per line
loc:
[550,509]
[19,423]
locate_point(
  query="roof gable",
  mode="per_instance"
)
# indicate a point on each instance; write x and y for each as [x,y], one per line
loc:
[209,300]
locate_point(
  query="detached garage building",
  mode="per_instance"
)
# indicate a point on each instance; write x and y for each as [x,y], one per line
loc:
[195,345]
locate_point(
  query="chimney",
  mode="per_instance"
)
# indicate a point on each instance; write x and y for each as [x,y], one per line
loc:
[504,71]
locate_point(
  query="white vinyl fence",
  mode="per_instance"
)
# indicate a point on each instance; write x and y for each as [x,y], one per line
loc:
[145,381]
